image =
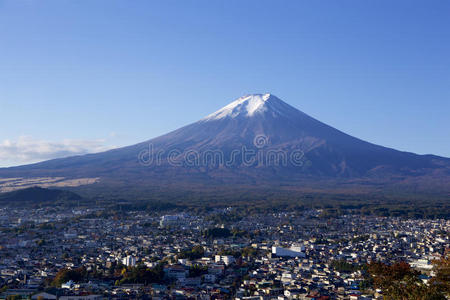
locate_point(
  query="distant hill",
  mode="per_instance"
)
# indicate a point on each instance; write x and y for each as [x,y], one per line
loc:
[38,195]
[257,141]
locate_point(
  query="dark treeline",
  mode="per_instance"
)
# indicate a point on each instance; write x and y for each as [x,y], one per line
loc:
[259,201]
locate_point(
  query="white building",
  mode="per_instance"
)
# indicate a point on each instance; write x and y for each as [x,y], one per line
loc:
[172,220]
[423,264]
[68,285]
[129,261]
[293,251]
[226,259]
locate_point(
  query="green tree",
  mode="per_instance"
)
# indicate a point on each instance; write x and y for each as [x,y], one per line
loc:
[197,270]
[195,253]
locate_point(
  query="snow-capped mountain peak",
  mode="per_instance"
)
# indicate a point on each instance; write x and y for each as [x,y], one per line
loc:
[255,141]
[246,106]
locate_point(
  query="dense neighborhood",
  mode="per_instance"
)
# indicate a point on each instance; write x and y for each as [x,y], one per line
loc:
[92,253]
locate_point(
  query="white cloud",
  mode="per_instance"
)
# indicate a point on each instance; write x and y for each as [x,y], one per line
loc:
[26,150]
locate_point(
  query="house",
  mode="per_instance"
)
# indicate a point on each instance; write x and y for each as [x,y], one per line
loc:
[44,296]
[86,297]
[176,271]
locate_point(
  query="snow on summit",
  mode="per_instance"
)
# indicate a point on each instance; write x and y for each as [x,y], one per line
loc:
[248,106]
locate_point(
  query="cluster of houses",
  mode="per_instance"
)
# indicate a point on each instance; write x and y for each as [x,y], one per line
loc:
[279,256]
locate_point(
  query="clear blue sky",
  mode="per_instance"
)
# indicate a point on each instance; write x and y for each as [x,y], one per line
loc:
[79,76]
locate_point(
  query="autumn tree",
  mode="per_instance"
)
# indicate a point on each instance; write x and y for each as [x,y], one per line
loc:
[400,282]
[66,274]
[442,274]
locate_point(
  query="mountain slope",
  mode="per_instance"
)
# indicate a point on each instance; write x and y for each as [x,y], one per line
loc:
[255,140]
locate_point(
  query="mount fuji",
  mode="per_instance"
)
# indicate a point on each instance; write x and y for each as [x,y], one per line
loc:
[256,141]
